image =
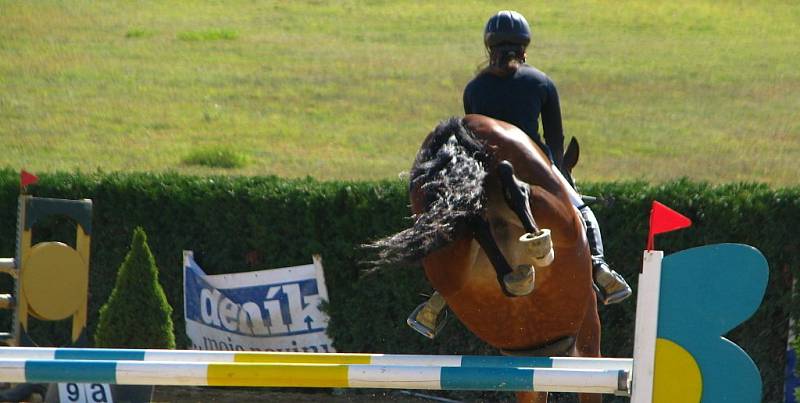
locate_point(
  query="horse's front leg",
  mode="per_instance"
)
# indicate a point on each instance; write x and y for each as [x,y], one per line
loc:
[517,194]
[536,245]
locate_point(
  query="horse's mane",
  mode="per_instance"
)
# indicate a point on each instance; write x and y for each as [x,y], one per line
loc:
[449,172]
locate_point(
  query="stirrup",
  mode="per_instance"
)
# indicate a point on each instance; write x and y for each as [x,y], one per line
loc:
[615,297]
[429,317]
[611,286]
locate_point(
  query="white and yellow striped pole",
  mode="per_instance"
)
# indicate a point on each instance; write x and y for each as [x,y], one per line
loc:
[476,361]
[313,375]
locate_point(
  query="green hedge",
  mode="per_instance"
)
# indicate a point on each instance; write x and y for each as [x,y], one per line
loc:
[240,224]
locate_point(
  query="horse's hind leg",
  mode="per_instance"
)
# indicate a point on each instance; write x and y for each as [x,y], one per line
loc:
[588,342]
[531,397]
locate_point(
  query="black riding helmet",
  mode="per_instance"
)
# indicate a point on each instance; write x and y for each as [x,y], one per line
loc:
[507,27]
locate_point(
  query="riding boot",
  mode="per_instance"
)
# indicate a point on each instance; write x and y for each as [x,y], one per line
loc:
[429,317]
[610,285]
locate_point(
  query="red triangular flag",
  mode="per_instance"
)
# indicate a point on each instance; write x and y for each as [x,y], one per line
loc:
[27,178]
[664,219]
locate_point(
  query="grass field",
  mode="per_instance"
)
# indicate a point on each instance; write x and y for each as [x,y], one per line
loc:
[347,89]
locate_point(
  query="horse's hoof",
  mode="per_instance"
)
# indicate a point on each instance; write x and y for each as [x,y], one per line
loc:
[429,317]
[540,247]
[520,282]
[546,260]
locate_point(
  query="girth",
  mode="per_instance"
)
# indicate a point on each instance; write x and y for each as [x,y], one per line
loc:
[560,347]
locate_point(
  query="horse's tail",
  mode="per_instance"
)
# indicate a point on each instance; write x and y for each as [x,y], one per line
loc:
[448,172]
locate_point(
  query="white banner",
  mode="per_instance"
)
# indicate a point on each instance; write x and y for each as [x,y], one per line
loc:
[267,310]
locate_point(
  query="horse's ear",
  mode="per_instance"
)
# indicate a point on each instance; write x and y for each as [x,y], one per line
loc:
[571,155]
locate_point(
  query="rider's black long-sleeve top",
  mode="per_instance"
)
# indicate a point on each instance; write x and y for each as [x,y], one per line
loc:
[520,99]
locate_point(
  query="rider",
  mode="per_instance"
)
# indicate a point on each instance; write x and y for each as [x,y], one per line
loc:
[512,91]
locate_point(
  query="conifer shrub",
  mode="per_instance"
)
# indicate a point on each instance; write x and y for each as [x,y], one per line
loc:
[137,314]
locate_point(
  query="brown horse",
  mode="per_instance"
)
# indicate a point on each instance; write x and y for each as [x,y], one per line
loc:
[466,185]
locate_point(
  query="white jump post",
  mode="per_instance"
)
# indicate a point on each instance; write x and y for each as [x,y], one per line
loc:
[644,347]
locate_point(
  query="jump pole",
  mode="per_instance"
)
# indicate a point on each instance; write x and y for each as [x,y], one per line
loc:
[471,361]
[313,375]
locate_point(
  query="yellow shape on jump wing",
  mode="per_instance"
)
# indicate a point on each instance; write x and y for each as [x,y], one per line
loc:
[54,281]
[677,377]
